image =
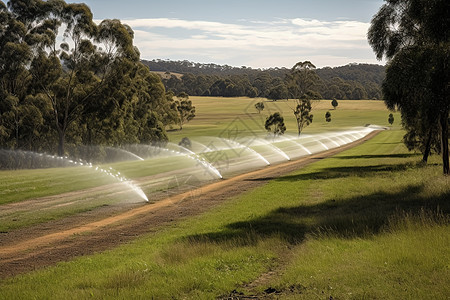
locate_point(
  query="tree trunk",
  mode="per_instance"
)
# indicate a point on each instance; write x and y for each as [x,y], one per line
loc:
[61,136]
[444,142]
[427,151]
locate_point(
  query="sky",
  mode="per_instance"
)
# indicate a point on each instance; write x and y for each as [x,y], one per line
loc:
[252,33]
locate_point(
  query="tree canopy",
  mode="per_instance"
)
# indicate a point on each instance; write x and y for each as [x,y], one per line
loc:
[353,81]
[414,36]
[91,88]
[275,124]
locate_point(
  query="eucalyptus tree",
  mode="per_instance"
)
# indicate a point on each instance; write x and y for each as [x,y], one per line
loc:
[24,29]
[301,81]
[186,111]
[259,106]
[275,124]
[414,36]
[72,74]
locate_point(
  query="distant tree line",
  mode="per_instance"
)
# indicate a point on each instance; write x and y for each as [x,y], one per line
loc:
[354,81]
[89,89]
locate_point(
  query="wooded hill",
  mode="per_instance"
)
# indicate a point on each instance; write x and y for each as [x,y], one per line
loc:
[353,81]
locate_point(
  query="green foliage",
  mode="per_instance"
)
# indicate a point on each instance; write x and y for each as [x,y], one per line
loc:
[301,81]
[275,123]
[353,81]
[328,116]
[93,91]
[391,119]
[334,103]
[302,113]
[186,111]
[278,92]
[414,35]
[259,106]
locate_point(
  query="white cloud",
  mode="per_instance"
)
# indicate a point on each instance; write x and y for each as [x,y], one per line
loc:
[262,43]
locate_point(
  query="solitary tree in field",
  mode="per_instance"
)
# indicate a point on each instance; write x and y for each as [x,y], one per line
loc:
[259,106]
[275,123]
[186,111]
[391,119]
[303,115]
[334,103]
[301,80]
[328,116]
[414,36]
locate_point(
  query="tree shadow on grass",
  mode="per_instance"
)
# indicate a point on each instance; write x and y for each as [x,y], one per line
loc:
[340,172]
[398,155]
[358,217]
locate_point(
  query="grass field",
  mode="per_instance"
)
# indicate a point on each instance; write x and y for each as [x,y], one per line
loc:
[368,223]
[215,117]
[223,117]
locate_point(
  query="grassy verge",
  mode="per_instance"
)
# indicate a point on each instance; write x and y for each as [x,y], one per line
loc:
[367,223]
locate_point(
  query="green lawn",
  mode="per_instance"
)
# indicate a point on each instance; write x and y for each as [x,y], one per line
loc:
[223,117]
[368,223]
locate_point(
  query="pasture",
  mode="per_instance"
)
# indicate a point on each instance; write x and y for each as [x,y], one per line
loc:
[216,116]
[368,223]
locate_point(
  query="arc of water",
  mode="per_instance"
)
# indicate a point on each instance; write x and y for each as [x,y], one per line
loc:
[239,145]
[331,140]
[340,140]
[275,148]
[127,152]
[346,138]
[192,155]
[353,136]
[359,134]
[298,144]
[322,144]
[116,176]
[205,148]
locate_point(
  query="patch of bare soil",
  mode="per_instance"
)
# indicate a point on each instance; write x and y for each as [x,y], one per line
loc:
[45,244]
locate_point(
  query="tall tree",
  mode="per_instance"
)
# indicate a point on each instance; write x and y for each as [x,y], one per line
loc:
[303,115]
[414,36]
[301,80]
[23,30]
[186,111]
[78,72]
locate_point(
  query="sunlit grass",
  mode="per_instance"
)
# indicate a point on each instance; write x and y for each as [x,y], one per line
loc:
[224,117]
[367,223]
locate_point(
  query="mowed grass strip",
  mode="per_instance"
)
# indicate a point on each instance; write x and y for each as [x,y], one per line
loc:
[367,223]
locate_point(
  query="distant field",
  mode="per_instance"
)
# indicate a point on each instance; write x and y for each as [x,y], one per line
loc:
[217,116]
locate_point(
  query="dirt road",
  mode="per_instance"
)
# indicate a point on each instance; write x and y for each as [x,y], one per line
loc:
[42,245]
